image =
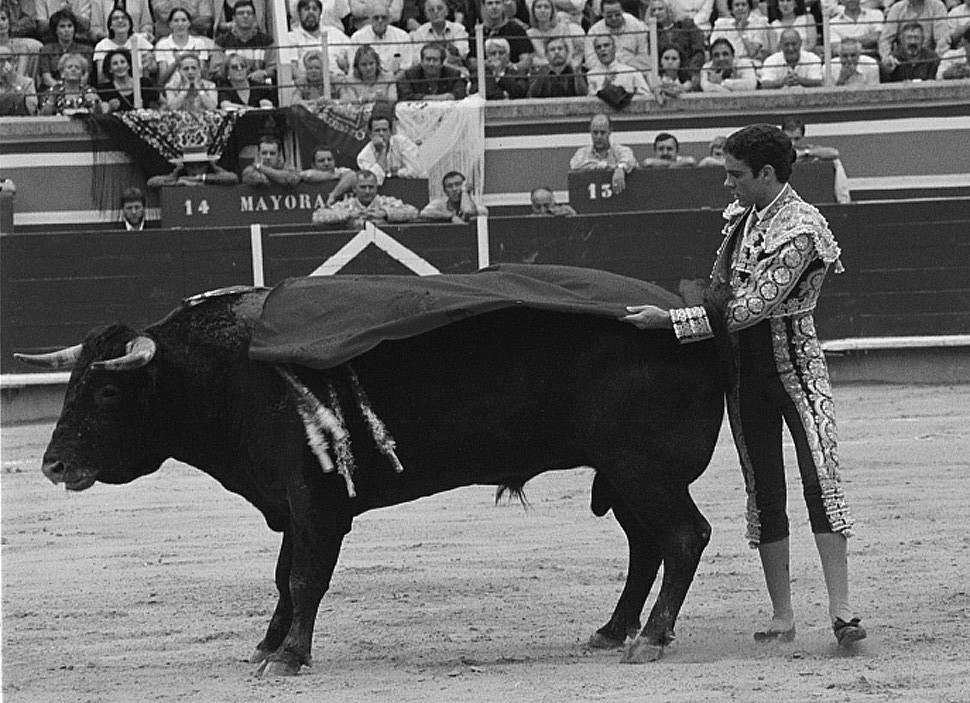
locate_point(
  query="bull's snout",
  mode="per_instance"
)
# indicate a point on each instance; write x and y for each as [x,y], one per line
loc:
[54,470]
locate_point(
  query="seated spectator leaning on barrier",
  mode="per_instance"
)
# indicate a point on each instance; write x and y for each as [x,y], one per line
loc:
[791,66]
[503,80]
[601,155]
[457,205]
[63,26]
[853,21]
[935,32]
[244,37]
[852,67]
[666,153]
[133,209]
[391,43]
[431,79]
[794,128]
[71,95]
[497,25]
[725,73]
[389,155]
[681,34]
[629,37]
[912,59]
[610,72]
[324,167]
[17,93]
[194,168]
[715,153]
[956,62]
[268,168]
[439,29]
[543,202]
[558,78]
[365,205]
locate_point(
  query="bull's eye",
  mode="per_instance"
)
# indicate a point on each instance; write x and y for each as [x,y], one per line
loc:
[107,395]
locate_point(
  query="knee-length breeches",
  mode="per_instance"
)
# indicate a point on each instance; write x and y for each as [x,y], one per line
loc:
[783,376]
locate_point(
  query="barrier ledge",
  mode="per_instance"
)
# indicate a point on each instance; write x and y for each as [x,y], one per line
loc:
[881,343]
[22,380]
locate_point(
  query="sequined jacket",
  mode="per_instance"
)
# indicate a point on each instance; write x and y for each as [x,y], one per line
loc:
[776,269]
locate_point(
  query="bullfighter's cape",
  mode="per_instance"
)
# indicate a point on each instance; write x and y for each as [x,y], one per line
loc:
[324,321]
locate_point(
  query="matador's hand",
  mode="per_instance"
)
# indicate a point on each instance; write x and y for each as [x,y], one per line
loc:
[647,317]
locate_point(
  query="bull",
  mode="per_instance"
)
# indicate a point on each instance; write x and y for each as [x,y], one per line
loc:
[494,399]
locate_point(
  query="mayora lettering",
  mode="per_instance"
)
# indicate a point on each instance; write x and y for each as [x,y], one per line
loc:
[288,201]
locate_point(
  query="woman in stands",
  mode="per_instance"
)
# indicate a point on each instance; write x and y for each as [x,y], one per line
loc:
[200,12]
[24,49]
[17,93]
[368,81]
[748,32]
[310,83]
[121,36]
[188,90]
[180,41]
[64,27]
[71,95]
[674,79]
[117,90]
[237,91]
[790,14]
[547,23]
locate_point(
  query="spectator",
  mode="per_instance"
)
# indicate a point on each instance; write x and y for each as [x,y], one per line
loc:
[324,167]
[958,21]
[188,90]
[65,42]
[368,81]
[24,49]
[674,80]
[224,18]
[681,34]
[558,78]
[17,93]
[133,209]
[956,62]
[725,73]
[571,10]
[749,34]
[195,167]
[365,206]
[391,43]
[117,89]
[852,67]
[666,153]
[389,155]
[517,13]
[49,12]
[791,66]
[546,24]
[306,38]
[610,72]
[22,16]
[929,14]
[503,80]
[431,79]
[601,155]
[853,21]
[237,89]
[912,59]
[179,42]
[791,15]
[71,95]
[715,153]
[332,12]
[309,82]
[544,203]
[139,14]
[198,11]
[120,36]
[268,169]
[457,205]
[795,129]
[497,26]
[629,38]
[244,37]
[698,11]
[438,29]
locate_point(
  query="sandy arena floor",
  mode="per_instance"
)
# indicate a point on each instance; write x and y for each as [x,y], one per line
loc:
[158,591]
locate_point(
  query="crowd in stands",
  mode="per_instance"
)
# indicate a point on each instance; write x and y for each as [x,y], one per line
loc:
[66,56]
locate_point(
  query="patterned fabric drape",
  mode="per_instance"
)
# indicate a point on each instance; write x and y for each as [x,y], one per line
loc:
[169,132]
[342,126]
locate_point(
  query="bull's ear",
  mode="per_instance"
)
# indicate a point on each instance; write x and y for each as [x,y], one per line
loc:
[61,359]
[139,352]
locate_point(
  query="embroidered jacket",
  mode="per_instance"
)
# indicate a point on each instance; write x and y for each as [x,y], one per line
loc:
[775,269]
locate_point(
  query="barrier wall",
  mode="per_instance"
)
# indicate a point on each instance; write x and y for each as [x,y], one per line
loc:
[907,265]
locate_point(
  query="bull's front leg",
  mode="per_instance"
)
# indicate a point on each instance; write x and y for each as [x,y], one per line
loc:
[279,624]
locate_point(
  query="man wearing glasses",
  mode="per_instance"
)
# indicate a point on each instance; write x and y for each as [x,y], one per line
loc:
[391,43]
[245,38]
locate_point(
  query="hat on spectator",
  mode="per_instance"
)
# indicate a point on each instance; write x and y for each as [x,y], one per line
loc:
[193,155]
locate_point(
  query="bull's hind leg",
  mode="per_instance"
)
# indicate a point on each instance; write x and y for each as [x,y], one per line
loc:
[279,624]
[642,572]
[682,544]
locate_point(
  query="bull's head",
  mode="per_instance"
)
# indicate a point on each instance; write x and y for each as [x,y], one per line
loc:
[103,433]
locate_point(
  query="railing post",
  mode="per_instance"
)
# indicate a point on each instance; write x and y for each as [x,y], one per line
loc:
[325,58]
[480,64]
[284,71]
[826,52]
[654,49]
[136,77]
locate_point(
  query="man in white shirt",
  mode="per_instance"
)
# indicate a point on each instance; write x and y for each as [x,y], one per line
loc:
[725,73]
[439,29]
[331,15]
[392,44]
[307,37]
[389,155]
[601,155]
[852,67]
[629,35]
[856,22]
[791,66]
[608,71]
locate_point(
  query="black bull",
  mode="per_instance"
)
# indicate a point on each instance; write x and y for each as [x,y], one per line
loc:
[494,399]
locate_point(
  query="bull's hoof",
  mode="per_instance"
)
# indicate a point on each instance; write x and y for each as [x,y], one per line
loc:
[641,652]
[259,655]
[277,668]
[600,641]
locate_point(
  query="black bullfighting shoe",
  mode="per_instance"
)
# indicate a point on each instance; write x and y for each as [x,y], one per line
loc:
[847,633]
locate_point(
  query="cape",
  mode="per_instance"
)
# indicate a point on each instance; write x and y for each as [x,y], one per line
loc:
[324,321]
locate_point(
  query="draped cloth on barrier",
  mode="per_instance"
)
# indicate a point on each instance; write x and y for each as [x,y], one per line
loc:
[341,126]
[324,321]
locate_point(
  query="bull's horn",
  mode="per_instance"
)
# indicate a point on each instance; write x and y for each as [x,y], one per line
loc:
[61,359]
[140,351]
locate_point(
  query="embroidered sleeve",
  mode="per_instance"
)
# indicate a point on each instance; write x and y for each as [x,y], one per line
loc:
[691,324]
[772,279]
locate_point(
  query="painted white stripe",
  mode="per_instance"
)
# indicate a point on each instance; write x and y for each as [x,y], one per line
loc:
[705,134]
[372,235]
[507,199]
[256,243]
[939,180]
[76,217]
[481,229]
[64,158]
[863,343]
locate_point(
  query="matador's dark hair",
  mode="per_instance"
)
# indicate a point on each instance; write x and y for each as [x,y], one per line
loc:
[759,145]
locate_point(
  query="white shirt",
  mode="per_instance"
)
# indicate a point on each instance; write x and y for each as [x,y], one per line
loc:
[953,57]
[332,15]
[744,77]
[403,160]
[102,48]
[843,27]
[866,71]
[452,32]
[394,41]
[757,30]
[627,77]
[775,67]
[300,42]
[166,49]
[632,47]
[958,19]
[697,10]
